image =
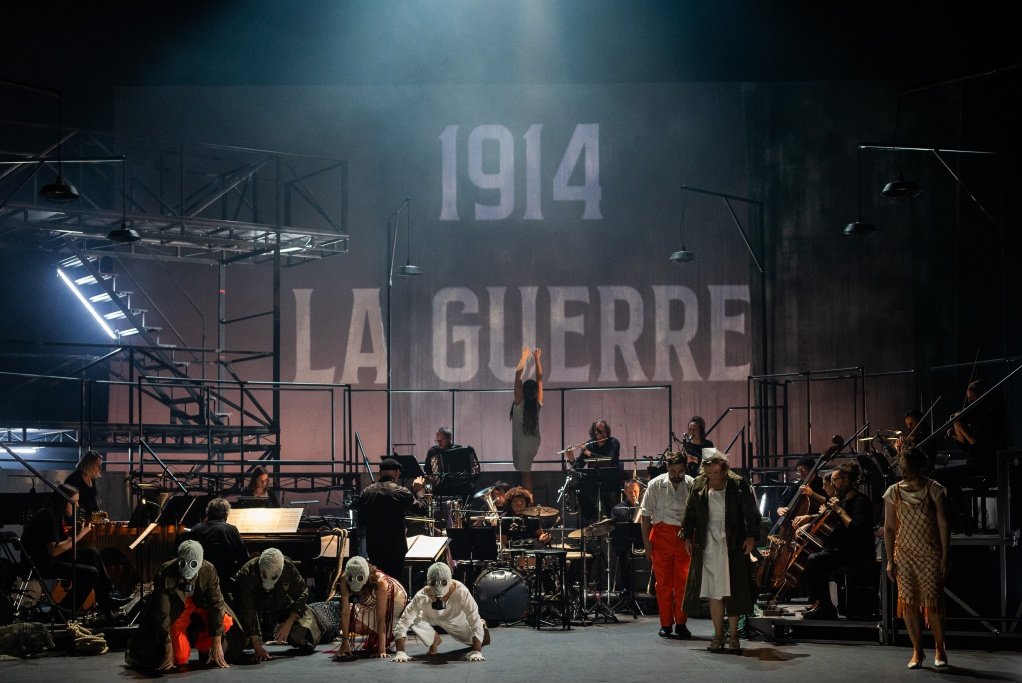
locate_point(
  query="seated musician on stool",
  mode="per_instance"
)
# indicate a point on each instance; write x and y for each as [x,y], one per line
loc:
[185,609]
[90,468]
[802,468]
[624,515]
[448,604]
[828,492]
[370,603]
[271,583]
[221,543]
[607,450]
[259,487]
[517,499]
[851,546]
[47,540]
[663,509]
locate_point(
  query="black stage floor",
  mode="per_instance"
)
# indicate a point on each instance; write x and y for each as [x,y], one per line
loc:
[617,652]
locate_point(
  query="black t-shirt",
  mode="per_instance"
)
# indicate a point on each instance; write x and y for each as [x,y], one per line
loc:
[857,538]
[88,500]
[221,546]
[610,448]
[695,450]
[44,528]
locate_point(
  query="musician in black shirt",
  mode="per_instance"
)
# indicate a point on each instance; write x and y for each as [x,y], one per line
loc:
[89,469]
[221,543]
[603,452]
[47,540]
[851,546]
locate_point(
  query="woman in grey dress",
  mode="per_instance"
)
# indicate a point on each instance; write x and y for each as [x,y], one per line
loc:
[525,416]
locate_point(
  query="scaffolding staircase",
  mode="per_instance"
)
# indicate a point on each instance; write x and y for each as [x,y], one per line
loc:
[124,316]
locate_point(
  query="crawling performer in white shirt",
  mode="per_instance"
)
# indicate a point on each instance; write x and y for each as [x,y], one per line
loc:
[448,604]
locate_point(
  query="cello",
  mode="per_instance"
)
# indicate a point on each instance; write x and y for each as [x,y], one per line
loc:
[812,537]
[772,567]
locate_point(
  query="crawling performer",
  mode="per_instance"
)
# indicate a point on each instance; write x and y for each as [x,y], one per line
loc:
[448,604]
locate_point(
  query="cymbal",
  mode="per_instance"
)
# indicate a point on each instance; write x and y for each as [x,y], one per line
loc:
[601,528]
[428,520]
[540,511]
[563,546]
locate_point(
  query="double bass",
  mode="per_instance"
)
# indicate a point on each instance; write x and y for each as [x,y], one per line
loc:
[773,566]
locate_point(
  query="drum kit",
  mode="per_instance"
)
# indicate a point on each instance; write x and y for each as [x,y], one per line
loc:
[528,580]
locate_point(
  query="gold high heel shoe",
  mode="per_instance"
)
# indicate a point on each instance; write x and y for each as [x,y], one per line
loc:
[716,645]
[733,645]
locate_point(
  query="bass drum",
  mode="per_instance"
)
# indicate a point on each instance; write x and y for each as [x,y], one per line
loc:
[502,595]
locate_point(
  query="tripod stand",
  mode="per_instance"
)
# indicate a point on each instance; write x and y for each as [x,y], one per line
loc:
[623,539]
[599,528]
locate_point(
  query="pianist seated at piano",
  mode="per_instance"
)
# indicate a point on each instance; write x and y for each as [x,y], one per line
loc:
[258,492]
[271,584]
[221,543]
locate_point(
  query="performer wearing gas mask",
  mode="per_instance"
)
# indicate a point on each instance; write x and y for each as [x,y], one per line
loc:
[448,604]
[271,584]
[370,602]
[185,610]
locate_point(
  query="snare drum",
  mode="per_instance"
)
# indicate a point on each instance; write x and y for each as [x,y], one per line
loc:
[522,560]
[502,595]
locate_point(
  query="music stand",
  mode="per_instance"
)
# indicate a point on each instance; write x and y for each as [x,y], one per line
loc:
[145,512]
[410,467]
[456,472]
[623,538]
[473,544]
[177,509]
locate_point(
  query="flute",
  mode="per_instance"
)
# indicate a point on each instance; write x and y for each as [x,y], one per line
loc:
[581,445]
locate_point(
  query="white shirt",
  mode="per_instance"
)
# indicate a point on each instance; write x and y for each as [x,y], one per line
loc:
[664,503]
[459,612]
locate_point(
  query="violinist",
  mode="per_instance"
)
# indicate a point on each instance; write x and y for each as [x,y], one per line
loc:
[850,546]
[980,433]
[915,432]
